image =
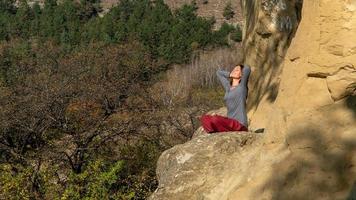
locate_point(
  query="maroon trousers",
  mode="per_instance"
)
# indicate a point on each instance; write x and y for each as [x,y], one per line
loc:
[218,123]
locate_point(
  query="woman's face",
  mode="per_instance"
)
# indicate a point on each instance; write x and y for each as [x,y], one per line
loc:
[236,72]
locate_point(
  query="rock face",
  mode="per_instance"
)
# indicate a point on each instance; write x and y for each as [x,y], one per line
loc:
[302,91]
[202,167]
[269,28]
[311,74]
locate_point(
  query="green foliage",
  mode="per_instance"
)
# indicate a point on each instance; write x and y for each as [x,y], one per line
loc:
[220,36]
[95,182]
[228,11]
[15,185]
[188,30]
[50,4]
[62,22]
[167,35]
[28,182]
[12,62]
[236,35]
[7,6]
[89,9]
[142,158]
[23,18]
[7,12]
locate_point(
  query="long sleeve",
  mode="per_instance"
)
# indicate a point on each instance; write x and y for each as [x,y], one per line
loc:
[245,75]
[236,99]
[223,76]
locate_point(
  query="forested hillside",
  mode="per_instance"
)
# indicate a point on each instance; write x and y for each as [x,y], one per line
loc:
[88,103]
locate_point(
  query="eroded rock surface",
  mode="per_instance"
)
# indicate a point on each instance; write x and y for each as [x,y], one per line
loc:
[202,167]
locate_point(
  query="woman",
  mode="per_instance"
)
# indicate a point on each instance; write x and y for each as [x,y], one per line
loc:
[236,91]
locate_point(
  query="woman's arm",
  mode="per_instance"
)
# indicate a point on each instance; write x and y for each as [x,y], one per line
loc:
[223,76]
[245,75]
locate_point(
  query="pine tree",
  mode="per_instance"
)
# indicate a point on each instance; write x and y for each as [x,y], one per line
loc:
[228,11]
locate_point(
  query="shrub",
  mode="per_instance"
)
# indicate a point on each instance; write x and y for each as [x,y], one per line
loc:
[95,182]
[228,11]
[220,35]
[236,35]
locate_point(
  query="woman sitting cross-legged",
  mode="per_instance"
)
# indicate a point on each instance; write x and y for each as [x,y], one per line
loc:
[236,91]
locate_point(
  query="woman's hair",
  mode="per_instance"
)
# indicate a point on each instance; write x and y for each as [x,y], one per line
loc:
[231,79]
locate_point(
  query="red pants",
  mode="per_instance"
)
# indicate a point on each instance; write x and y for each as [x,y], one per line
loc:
[218,123]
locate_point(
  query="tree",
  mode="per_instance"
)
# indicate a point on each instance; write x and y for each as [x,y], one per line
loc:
[220,35]
[228,11]
[50,4]
[23,18]
[7,11]
[89,9]
[7,6]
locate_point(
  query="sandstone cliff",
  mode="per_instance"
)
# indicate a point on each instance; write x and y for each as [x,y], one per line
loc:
[302,91]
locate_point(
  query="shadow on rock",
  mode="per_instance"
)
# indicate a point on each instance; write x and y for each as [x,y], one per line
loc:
[318,168]
[351,104]
[265,47]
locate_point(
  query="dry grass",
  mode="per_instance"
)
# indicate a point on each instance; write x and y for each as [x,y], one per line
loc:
[182,82]
[201,72]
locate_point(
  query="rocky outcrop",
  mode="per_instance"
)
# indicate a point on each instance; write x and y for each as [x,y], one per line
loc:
[341,83]
[202,167]
[310,76]
[302,91]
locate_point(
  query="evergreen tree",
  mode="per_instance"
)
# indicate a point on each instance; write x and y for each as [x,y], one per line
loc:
[228,11]
[35,23]
[7,6]
[50,4]
[23,18]
[7,10]
[89,9]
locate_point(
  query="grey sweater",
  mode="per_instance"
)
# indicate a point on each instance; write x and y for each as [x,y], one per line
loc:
[235,98]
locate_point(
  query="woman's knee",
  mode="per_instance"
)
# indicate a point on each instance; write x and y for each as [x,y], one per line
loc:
[215,119]
[204,119]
